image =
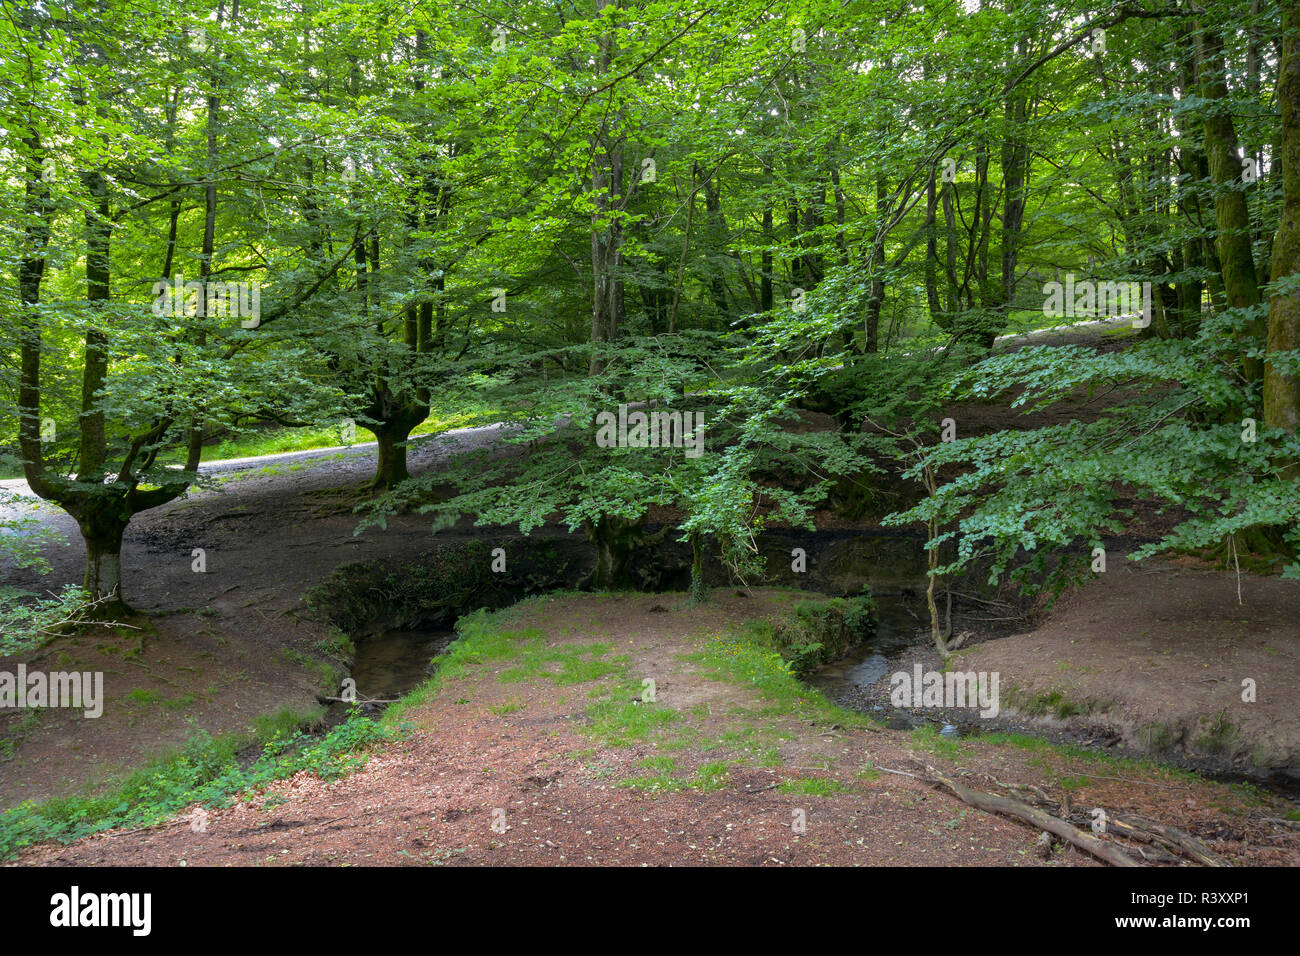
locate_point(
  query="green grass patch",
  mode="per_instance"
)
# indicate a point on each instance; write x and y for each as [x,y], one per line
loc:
[568,664]
[927,738]
[618,724]
[708,777]
[206,771]
[813,786]
[712,776]
[662,764]
[751,658]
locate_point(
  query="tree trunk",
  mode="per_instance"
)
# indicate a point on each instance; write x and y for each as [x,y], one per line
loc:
[1193,163]
[615,540]
[1232,218]
[31,271]
[606,236]
[392,433]
[954,302]
[1282,392]
[717,245]
[699,592]
[391,470]
[876,298]
[1015,162]
[102,525]
[99,229]
[606,256]
[792,224]
[765,280]
[932,301]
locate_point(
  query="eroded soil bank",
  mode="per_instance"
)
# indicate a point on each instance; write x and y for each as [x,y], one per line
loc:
[1156,662]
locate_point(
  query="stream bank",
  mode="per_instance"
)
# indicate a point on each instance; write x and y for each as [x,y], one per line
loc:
[1049,702]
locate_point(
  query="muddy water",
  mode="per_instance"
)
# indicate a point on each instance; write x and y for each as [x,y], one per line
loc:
[900,624]
[390,664]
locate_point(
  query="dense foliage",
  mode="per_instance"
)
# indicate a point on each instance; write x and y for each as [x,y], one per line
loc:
[546,211]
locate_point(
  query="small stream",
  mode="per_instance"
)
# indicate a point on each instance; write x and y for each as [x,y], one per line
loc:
[388,665]
[847,681]
[391,663]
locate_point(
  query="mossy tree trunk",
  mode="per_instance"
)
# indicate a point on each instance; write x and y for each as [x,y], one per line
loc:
[391,435]
[1282,392]
[102,527]
[1232,217]
[616,540]
[699,592]
[101,501]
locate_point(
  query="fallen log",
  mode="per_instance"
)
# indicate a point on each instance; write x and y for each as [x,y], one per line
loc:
[1170,837]
[1043,821]
[1156,845]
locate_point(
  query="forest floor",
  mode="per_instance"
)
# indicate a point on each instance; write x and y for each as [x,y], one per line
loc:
[221,650]
[517,760]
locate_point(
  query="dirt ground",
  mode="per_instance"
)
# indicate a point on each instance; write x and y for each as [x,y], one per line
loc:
[521,756]
[219,648]
[1164,655]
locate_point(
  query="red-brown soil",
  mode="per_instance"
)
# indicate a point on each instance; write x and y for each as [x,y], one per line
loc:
[431,797]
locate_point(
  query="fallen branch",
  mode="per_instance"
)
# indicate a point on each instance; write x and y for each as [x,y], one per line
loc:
[972,597]
[1294,825]
[1031,815]
[901,773]
[1040,795]
[1154,854]
[1170,837]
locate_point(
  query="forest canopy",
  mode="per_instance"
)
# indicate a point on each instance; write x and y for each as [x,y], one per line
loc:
[222,218]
